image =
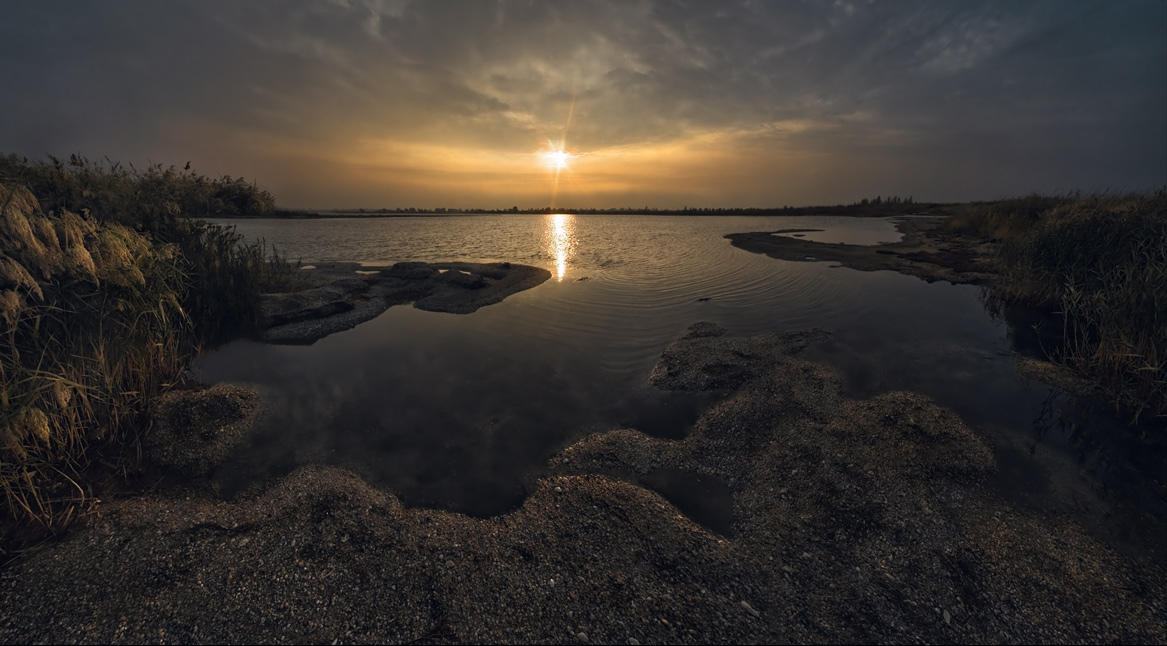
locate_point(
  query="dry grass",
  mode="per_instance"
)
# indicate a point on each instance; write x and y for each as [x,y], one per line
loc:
[1101,262]
[106,293]
[93,327]
[143,199]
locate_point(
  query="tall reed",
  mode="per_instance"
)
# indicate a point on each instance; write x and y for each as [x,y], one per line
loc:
[1101,261]
[146,199]
[107,290]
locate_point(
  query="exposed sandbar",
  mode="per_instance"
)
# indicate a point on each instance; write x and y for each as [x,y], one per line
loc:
[927,251]
[346,294]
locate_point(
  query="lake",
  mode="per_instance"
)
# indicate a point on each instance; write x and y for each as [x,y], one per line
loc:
[461,412]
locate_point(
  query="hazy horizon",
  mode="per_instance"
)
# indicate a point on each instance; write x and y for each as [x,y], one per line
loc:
[387,104]
[438,209]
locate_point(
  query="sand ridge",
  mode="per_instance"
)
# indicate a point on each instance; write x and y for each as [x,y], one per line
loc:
[927,251]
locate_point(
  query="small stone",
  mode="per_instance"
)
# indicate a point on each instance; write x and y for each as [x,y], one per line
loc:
[559,489]
[633,641]
[449,564]
[750,609]
[806,555]
[583,637]
[947,618]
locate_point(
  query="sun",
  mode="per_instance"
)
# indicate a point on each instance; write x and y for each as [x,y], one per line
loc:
[556,159]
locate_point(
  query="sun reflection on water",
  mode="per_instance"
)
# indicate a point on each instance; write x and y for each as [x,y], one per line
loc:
[561,241]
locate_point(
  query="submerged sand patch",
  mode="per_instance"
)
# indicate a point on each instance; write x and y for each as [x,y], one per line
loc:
[194,430]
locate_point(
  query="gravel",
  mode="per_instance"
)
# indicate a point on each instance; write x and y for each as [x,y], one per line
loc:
[855,521]
[194,430]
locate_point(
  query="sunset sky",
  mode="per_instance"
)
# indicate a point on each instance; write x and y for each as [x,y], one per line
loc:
[394,103]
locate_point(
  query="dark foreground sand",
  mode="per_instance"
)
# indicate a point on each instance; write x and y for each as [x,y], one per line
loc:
[854,521]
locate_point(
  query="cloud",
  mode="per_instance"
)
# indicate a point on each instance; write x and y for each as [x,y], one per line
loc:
[969,43]
[909,86]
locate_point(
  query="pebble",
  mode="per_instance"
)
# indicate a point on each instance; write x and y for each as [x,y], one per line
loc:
[583,637]
[750,609]
[947,618]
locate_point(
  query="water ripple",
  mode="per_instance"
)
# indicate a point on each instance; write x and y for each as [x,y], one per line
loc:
[448,409]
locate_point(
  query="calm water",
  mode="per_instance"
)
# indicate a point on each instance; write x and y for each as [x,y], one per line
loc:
[462,412]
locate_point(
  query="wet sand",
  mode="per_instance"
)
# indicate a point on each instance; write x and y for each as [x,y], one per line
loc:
[853,520]
[927,251]
[343,295]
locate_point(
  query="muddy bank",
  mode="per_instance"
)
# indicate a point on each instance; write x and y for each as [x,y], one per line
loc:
[343,295]
[927,251]
[853,520]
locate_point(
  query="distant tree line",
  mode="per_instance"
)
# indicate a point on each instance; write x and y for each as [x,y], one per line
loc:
[877,206]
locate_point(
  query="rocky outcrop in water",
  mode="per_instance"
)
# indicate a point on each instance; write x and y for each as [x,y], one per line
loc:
[315,303]
[348,294]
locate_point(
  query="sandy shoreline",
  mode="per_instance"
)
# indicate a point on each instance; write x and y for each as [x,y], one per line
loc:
[927,251]
[855,520]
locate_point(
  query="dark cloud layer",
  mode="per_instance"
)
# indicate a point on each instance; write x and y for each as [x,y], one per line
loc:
[395,102]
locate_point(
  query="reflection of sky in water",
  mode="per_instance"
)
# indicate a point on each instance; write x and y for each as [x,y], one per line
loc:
[561,245]
[459,411]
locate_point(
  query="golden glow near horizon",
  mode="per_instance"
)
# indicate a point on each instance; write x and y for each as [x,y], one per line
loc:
[560,241]
[362,105]
[695,166]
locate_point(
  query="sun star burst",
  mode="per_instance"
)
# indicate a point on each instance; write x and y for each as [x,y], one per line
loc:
[556,159]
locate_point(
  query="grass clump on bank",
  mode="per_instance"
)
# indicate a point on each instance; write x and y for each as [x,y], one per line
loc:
[107,291]
[1101,262]
[143,199]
